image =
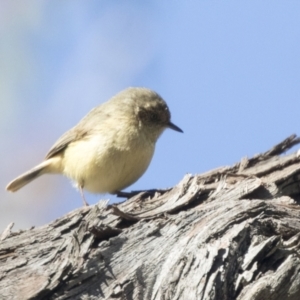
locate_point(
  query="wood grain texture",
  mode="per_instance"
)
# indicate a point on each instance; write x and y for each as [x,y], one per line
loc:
[231,233]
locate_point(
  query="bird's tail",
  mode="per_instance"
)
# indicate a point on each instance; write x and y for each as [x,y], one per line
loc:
[27,177]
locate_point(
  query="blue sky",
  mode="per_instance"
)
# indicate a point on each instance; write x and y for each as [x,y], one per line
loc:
[229,70]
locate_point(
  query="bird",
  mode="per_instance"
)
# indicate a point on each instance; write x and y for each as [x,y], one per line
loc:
[111,147]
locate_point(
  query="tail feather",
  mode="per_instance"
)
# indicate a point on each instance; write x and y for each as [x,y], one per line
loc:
[27,177]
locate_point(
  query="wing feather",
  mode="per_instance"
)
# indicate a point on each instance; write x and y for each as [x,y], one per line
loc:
[84,128]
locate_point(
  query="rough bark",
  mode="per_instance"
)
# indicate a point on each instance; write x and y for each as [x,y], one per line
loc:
[231,233]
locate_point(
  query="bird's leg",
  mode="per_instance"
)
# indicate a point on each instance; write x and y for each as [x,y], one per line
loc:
[82,196]
[121,194]
[146,193]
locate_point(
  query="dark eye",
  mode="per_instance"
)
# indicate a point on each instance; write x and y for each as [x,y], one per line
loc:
[154,117]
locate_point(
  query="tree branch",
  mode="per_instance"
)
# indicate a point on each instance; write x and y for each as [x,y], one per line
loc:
[230,233]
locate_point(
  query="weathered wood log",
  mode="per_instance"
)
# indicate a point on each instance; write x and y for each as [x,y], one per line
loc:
[231,233]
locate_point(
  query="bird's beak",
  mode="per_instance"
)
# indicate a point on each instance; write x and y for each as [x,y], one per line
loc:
[174,127]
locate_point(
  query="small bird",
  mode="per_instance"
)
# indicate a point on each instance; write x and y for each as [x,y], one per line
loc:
[111,147]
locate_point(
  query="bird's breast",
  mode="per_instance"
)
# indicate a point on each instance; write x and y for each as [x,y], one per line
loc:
[108,162]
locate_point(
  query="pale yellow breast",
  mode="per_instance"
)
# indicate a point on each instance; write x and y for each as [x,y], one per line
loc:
[108,162]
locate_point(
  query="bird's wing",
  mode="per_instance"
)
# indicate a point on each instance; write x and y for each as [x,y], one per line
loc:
[83,129]
[63,142]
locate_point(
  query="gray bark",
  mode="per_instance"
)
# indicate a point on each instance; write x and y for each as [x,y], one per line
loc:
[231,233]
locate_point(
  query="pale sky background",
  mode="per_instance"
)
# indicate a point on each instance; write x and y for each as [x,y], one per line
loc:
[229,70]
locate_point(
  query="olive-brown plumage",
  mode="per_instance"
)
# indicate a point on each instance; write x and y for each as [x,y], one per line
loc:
[111,147]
